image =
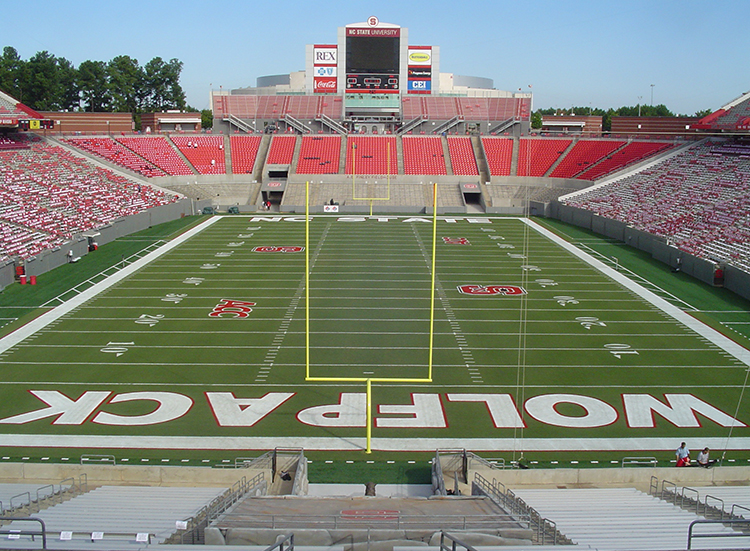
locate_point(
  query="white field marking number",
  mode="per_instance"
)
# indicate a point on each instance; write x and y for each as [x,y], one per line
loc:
[546,282]
[150,320]
[617,350]
[563,300]
[117,348]
[174,297]
[589,322]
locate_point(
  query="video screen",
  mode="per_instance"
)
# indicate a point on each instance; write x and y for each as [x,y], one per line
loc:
[372,55]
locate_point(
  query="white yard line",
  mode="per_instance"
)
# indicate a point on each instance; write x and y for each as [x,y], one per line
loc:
[726,344]
[45,319]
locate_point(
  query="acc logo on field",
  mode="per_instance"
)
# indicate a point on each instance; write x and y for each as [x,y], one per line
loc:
[490,290]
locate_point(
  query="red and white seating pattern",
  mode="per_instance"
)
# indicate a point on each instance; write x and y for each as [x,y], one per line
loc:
[423,155]
[48,195]
[462,156]
[499,154]
[158,151]
[117,153]
[583,155]
[371,155]
[244,150]
[537,155]
[281,151]
[631,153]
[698,200]
[205,153]
[319,155]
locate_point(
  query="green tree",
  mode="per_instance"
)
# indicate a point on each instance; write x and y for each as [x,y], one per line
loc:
[536,119]
[93,83]
[162,85]
[42,82]
[703,113]
[126,84]
[207,118]
[11,68]
[69,96]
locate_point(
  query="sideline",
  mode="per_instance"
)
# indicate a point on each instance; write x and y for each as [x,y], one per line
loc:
[45,319]
[725,343]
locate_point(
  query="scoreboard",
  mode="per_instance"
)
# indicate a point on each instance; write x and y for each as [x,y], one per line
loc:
[373,58]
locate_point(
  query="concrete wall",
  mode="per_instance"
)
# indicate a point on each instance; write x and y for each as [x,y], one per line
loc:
[7,274]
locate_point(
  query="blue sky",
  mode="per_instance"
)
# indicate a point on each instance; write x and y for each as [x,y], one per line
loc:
[573,52]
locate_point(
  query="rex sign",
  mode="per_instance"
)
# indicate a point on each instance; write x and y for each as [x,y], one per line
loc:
[325,59]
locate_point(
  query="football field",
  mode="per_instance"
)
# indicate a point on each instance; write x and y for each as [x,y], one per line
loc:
[246,334]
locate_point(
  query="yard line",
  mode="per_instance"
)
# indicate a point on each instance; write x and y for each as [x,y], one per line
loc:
[48,317]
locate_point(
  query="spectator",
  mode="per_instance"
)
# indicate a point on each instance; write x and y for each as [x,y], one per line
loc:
[683,455]
[703,460]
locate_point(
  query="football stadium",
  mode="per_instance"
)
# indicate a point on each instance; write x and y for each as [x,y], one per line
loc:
[373,308]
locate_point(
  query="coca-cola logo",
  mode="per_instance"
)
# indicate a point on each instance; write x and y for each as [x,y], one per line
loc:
[325,84]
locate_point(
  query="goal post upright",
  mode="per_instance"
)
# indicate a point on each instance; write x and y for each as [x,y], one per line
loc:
[368,380]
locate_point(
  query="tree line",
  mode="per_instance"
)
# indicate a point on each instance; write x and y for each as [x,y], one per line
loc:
[607,114]
[46,82]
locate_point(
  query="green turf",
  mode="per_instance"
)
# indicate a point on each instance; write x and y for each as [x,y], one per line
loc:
[370,298]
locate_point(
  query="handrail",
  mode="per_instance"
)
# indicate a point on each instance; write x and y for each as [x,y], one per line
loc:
[735,506]
[706,506]
[717,535]
[697,498]
[280,544]
[42,532]
[28,494]
[663,489]
[454,541]
[653,486]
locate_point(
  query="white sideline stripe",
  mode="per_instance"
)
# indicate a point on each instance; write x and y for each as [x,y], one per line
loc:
[725,343]
[56,313]
[358,444]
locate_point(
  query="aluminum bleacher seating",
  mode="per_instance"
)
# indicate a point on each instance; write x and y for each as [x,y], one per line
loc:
[499,154]
[244,150]
[537,155]
[463,161]
[620,518]
[158,151]
[319,155]
[423,155]
[281,150]
[205,153]
[375,155]
[584,154]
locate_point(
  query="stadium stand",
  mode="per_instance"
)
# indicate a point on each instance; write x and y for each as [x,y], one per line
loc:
[319,155]
[499,154]
[205,153]
[617,518]
[463,161]
[371,155]
[536,156]
[157,150]
[699,200]
[423,155]
[122,512]
[731,117]
[584,154]
[116,153]
[244,150]
[48,195]
[632,153]
[281,151]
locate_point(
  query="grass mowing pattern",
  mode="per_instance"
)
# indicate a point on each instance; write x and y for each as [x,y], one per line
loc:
[370,291]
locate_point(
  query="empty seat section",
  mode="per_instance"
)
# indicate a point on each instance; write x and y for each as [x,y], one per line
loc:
[271,107]
[319,155]
[584,154]
[205,153]
[499,153]
[537,155]
[371,155]
[462,156]
[439,108]
[302,107]
[501,109]
[474,109]
[631,153]
[116,153]
[423,155]
[411,107]
[157,150]
[244,150]
[281,150]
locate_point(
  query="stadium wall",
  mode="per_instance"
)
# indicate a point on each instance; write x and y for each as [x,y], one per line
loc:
[7,275]
[735,280]
[50,259]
